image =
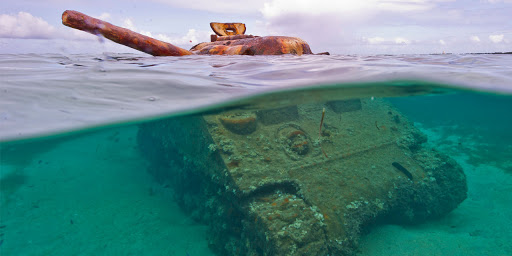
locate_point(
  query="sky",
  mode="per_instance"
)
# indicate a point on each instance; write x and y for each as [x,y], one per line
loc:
[341,27]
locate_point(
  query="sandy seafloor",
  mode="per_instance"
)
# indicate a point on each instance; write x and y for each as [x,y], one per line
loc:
[481,225]
[92,196]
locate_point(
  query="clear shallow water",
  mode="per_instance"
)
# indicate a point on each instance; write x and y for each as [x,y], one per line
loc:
[43,94]
[93,192]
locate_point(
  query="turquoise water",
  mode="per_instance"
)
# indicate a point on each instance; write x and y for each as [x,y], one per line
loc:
[80,176]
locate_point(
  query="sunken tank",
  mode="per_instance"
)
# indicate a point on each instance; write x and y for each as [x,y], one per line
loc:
[272,182]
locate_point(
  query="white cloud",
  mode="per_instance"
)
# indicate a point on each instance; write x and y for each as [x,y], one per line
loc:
[219,6]
[375,40]
[277,8]
[401,40]
[128,23]
[336,24]
[191,38]
[104,16]
[274,7]
[442,42]
[496,38]
[475,39]
[24,25]
[382,40]
[498,1]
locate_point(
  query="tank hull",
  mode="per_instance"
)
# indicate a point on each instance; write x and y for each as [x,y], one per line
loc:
[272,182]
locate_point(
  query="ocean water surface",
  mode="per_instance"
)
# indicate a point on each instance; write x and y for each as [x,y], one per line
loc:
[123,154]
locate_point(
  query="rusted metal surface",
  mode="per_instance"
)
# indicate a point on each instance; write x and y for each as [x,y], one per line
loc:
[120,35]
[268,45]
[232,43]
[223,38]
[228,29]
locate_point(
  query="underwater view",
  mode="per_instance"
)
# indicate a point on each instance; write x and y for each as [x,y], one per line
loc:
[124,154]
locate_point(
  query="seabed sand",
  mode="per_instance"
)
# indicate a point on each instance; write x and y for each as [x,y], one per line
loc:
[92,196]
[481,225]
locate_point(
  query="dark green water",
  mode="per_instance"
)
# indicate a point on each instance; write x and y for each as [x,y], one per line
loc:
[94,192]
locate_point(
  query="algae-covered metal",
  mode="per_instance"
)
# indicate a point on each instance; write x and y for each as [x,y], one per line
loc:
[270,182]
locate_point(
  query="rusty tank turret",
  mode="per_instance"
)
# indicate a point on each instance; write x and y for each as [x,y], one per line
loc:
[230,39]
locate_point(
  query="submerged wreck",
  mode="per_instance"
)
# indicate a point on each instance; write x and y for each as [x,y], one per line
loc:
[271,182]
[305,179]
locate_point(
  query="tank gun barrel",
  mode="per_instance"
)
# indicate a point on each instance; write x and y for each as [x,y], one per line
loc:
[121,35]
